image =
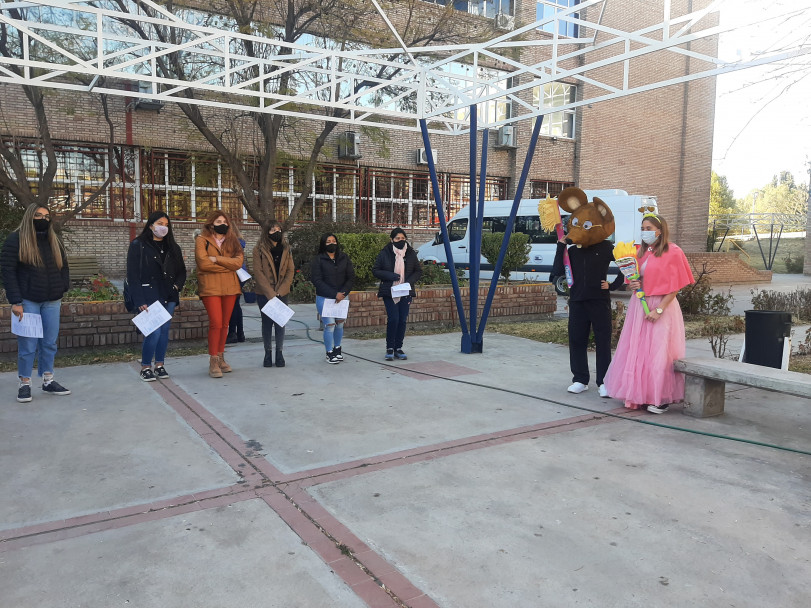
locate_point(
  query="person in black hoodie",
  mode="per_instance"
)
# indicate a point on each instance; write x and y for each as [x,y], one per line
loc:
[155,272]
[395,264]
[332,273]
[36,276]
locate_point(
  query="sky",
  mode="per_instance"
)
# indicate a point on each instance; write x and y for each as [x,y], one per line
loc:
[761,126]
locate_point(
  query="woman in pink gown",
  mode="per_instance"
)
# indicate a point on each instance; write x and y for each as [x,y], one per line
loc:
[641,372]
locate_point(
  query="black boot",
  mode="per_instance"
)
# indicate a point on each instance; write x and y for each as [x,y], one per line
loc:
[231,338]
[240,336]
[268,362]
[279,359]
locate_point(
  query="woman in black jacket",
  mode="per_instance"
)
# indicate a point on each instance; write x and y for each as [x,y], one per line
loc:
[35,275]
[332,274]
[395,264]
[155,272]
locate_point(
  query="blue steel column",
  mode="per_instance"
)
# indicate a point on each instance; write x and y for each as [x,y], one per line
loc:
[477,343]
[443,227]
[475,239]
[519,191]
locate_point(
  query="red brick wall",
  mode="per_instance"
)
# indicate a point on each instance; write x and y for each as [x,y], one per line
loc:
[436,305]
[727,268]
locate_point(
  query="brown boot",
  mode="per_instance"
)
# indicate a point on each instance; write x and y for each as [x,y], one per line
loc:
[214,367]
[223,365]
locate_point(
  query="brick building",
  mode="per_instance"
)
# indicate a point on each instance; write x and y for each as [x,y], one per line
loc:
[656,143]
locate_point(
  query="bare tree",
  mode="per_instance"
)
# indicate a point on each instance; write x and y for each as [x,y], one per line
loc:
[13,171]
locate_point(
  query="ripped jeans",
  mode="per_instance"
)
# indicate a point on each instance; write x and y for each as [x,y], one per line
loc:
[333,328]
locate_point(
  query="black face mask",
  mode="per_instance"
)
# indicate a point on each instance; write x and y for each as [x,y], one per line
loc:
[399,244]
[41,225]
[220,228]
[331,248]
[276,237]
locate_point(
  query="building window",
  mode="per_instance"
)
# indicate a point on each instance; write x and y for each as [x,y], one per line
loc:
[539,188]
[547,8]
[483,8]
[556,95]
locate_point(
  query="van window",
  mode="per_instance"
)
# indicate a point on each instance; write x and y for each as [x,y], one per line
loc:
[457,229]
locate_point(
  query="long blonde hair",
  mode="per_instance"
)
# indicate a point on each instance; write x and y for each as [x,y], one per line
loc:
[29,251]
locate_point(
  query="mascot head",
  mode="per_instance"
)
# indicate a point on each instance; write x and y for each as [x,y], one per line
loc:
[590,223]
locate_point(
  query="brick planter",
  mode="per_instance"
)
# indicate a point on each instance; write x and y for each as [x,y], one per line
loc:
[108,323]
[436,305]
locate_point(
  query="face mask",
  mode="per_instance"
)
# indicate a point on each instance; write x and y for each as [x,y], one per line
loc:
[160,231]
[275,236]
[220,228]
[331,248]
[649,237]
[399,244]
[41,225]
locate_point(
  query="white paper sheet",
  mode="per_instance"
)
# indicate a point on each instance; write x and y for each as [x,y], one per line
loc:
[243,274]
[401,290]
[278,311]
[152,318]
[335,310]
[29,327]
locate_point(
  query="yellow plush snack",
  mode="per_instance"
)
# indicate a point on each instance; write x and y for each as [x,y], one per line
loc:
[549,213]
[624,250]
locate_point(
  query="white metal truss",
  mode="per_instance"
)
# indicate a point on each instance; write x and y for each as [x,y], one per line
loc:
[92,46]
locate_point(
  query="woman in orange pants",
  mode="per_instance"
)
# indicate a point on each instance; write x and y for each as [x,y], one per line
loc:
[219,256]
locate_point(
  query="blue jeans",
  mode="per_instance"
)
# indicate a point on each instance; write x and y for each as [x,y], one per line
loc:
[333,328]
[156,343]
[43,348]
[397,315]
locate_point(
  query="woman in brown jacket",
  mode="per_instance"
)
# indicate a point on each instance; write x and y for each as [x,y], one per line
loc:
[273,273]
[219,256]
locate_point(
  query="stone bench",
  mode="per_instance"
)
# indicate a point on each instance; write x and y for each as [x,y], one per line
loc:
[706,378]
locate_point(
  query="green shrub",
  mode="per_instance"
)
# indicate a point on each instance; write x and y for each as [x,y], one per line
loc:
[694,299]
[362,249]
[302,291]
[517,251]
[97,289]
[304,239]
[437,274]
[797,302]
[190,287]
[794,265]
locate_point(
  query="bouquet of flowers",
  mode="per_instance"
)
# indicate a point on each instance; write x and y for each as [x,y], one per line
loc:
[625,257]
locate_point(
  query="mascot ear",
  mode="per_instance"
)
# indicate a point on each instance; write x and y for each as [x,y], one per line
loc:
[604,210]
[571,199]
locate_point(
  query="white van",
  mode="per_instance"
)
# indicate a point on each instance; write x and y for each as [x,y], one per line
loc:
[627,216]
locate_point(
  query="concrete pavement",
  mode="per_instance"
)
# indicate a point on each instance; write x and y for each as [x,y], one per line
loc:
[446,480]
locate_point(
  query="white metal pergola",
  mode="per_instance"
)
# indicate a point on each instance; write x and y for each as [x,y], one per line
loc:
[392,88]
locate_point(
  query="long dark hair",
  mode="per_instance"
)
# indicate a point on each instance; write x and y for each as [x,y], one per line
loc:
[174,256]
[322,244]
[264,238]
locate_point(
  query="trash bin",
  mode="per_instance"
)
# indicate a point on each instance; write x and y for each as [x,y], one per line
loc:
[765,333]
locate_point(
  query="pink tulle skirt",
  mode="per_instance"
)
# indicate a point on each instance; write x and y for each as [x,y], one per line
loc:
[641,370]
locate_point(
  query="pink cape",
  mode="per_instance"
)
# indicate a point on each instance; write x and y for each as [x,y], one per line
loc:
[666,274]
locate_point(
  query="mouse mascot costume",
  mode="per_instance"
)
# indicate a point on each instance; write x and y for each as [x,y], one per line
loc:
[590,253]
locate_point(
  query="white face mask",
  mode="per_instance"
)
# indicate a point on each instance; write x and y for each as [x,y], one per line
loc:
[160,231]
[649,237]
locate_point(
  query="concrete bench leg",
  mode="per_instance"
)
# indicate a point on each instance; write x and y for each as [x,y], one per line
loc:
[703,397]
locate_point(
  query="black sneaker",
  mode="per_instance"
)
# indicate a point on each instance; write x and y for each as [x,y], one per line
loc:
[337,352]
[658,409]
[147,375]
[331,358]
[389,354]
[399,354]
[161,373]
[54,388]
[24,393]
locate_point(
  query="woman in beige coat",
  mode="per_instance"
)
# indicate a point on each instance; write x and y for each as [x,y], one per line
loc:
[273,274]
[219,256]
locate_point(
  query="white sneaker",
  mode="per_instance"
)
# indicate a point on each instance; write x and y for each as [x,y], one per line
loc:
[603,391]
[577,387]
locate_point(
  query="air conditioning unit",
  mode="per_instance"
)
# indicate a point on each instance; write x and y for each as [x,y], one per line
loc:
[349,145]
[504,22]
[506,137]
[144,103]
[422,156]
